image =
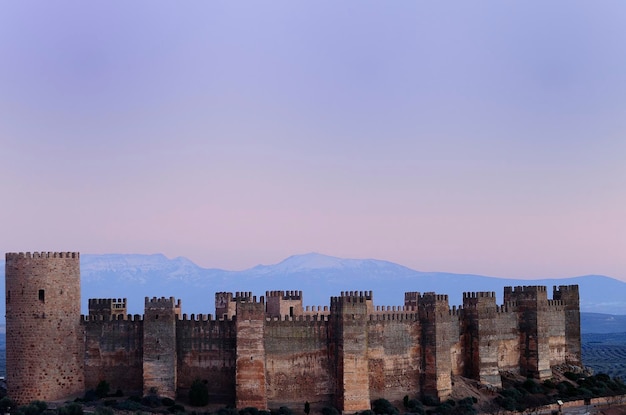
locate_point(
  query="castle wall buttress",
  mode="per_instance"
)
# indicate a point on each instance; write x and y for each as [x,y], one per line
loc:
[436,323]
[570,296]
[482,334]
[532,308]
[159,346]
[45,348]
[349,316]
[250,364]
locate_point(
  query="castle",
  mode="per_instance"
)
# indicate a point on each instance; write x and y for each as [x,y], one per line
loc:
[270,351]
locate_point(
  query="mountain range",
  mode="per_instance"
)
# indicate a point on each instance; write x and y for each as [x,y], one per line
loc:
[318,277]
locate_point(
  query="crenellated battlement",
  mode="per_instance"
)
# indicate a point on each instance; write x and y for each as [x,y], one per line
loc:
[316,309]
[393,309]
[164,303]
[244,296]
[197,317]
[525,289]
[352,297]
[556,304]
[432,296]
[284,295]
[106,301]
[366,295]
[398,316]
[566,288]
[300,318]
[112,317]
[479,294]
[107,306]
[37,255]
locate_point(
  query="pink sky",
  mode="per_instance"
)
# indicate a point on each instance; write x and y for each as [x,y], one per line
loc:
[474,139]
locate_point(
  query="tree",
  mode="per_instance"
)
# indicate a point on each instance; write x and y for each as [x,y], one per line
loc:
[102,390]
[199,393]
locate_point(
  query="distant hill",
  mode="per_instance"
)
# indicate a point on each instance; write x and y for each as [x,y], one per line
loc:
[602,323]
[319,276]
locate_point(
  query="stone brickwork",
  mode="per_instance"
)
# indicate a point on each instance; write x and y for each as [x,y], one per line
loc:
[299,370]
[114,352]
[107,307]
[284,303]
[250,366]
[272,352]
[159,346]
[568,294]
[350,319]
[436,322]
[206,350]
[45,346]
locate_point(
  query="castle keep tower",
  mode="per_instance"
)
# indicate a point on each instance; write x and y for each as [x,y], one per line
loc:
[45,350]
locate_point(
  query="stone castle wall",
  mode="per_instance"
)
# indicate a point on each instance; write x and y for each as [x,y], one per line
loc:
[298,362]
[270,351]
[394,354]
[206,350]
[114,352]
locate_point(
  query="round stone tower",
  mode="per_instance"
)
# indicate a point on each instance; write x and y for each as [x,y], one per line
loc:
[45,349]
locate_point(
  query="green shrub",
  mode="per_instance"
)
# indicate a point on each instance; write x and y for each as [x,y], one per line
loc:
[199,393]
[549,384]
[531,386]
[249,411]
[131,404]
[30,409]
[283,410]
[572,376]
[506,402]
[176,409]
[90,396]
[430,400]
[415,406]
[151,401]
[227,411]
[6,403]
[71,409]
[329,410]
[103,388]
[167,401]
[103,410]
[383,406]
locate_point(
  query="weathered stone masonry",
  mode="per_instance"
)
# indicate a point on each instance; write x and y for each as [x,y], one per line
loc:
[271,351]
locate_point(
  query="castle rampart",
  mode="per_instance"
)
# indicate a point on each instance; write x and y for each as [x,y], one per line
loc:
[270,351]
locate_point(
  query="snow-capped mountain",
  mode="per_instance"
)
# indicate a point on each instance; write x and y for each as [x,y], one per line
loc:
[318,276]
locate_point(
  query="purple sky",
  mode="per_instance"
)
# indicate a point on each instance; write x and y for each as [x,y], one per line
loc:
[477,137]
